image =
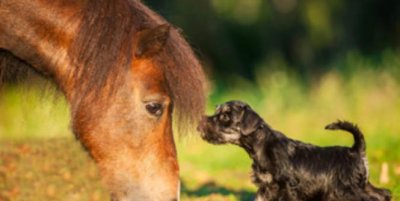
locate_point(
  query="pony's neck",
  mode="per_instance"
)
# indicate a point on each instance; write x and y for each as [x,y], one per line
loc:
[40,33]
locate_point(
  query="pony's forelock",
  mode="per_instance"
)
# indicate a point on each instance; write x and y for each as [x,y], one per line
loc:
[104,50]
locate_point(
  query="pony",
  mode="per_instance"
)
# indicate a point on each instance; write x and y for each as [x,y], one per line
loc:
[127,75]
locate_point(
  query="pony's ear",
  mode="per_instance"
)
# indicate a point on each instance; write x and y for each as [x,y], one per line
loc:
[151,41]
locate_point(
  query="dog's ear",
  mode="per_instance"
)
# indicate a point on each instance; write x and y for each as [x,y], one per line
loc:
[250,121]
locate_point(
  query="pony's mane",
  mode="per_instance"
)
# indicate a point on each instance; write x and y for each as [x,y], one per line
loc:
[183,72]
[12,69]
[103,50]
[184,75]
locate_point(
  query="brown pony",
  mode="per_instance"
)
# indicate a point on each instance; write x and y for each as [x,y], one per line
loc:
[125,73]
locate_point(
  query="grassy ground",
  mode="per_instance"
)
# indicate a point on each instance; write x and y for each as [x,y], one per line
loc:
[40,159]
[58,169]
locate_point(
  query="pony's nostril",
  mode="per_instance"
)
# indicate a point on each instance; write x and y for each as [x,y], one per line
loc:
[174,199]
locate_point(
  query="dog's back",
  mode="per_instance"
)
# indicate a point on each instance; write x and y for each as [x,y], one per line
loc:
[325,171]
[288,169]
[359,147]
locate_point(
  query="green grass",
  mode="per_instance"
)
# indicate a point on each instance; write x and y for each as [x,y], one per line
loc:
[40,159]
[29,113]
[50,169]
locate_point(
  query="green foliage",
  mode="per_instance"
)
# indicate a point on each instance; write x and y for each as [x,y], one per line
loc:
[235,36]
[27,112]
[48,169]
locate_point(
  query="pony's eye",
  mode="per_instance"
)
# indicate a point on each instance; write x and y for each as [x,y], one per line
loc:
[155,109]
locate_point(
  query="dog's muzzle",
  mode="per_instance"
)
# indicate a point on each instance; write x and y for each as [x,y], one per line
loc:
[206,128]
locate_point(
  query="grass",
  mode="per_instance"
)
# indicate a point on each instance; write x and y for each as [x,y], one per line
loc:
[41,160]
[51,169]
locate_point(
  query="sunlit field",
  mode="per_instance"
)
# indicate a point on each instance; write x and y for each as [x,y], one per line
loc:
[41,160]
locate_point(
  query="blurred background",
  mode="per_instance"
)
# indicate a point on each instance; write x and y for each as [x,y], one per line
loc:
[300,64]
[306,37]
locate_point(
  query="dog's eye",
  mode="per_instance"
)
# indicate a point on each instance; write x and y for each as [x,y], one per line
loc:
[155,109]
[224,117]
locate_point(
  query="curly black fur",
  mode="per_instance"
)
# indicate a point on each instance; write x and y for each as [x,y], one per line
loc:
[289,170]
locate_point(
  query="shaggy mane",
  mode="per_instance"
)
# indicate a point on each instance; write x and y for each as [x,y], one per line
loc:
[102,52]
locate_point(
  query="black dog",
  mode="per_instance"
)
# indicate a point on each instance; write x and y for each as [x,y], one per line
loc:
[289,170]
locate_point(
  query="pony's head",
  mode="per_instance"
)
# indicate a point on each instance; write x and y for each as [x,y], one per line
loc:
[124,113]
[127,75]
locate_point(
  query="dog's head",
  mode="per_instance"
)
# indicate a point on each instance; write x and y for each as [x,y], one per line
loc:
[231,121]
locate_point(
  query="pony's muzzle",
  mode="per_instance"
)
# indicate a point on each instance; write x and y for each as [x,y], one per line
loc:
[158,189]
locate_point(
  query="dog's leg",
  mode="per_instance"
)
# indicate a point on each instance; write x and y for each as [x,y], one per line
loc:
[263,194]
[260,197]
[329,197]
[287,193]
[377,193]
[348,194]
[267,193]
[360,195]
[369,193]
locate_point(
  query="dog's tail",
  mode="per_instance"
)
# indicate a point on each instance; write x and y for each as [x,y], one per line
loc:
[359,142]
